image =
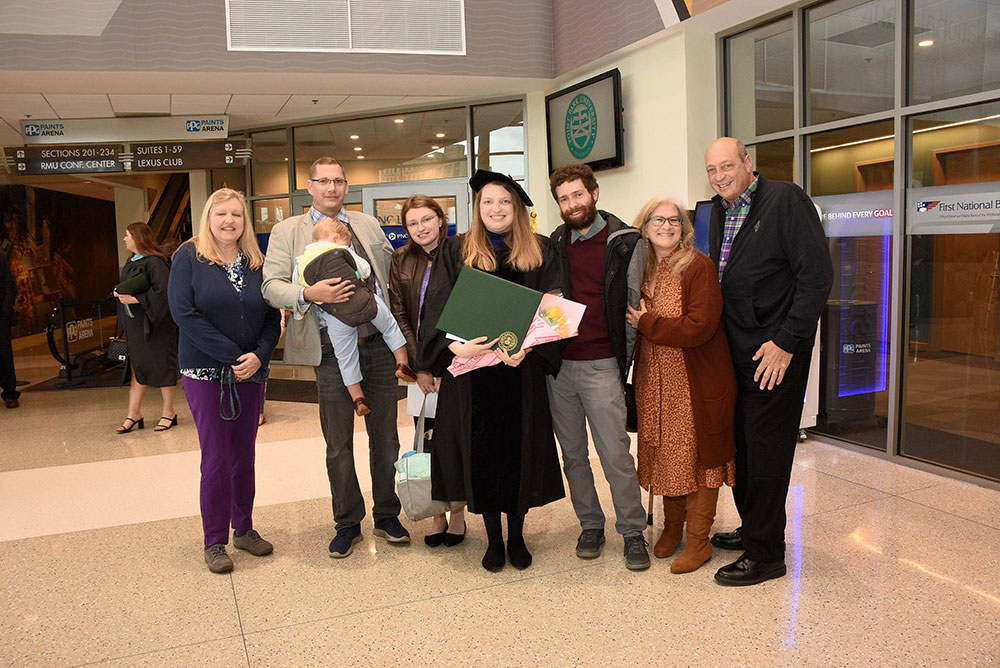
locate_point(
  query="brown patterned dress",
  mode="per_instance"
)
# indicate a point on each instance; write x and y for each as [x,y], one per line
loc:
[668,453]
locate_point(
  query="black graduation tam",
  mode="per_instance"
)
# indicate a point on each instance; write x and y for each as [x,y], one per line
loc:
[483,177]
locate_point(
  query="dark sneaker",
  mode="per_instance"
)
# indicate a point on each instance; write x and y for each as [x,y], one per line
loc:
[636,556]
[391,530]
[344,541]
[253,543]
[217,559]
[588,545]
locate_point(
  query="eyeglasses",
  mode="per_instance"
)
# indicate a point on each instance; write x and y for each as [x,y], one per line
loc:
[658,221]
[340,183]
[426,220]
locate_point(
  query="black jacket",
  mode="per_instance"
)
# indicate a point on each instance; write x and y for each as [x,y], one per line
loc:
[778,274]
[622,239]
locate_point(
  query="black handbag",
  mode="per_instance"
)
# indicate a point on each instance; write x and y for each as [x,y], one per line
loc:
[118,349]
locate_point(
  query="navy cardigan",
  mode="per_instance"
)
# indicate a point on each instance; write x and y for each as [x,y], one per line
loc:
[218,324]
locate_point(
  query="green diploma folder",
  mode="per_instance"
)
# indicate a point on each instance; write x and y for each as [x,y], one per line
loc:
[481,304]
[133,286]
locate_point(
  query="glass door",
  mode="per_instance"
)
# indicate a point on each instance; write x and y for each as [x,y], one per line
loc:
[951,373]
[385,202]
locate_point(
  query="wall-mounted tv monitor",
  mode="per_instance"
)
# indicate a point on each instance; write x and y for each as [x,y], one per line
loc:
[584,123]
[702,215]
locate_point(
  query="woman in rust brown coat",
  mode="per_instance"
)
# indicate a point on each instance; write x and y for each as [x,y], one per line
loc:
[685,384]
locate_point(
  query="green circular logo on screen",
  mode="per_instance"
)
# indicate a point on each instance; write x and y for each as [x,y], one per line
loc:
[581,126]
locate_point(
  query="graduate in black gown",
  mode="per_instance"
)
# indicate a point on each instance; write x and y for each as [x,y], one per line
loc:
[493,441]
[150,332]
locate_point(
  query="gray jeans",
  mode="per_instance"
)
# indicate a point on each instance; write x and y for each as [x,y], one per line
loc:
[336,416]
[590,391]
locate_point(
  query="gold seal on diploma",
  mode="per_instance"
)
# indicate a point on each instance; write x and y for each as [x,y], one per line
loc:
[507,341]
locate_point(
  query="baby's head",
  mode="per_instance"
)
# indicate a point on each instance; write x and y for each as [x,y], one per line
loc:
[330,229]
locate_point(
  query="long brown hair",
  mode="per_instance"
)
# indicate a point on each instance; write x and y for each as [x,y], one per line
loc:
[143,239]
[525,249]
[205,245]
[424,202]
[685,252]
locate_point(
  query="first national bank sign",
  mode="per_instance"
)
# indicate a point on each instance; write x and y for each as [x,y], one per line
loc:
[99,130]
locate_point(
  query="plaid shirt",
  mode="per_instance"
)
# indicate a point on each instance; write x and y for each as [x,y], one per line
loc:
[736,214]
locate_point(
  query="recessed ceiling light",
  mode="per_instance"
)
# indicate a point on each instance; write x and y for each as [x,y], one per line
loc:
[439,135]
[361,157]
[397,120]
[355,137]
[358,148]
[925,42]
[435,147]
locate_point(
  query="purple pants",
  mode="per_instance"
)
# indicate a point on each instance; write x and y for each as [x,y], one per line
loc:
[227,457]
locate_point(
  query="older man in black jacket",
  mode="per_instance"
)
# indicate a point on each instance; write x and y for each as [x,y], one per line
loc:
[774,264]
[595,248]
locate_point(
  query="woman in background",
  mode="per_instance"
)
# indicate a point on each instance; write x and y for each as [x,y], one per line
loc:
[150,332]
[427,226]
[684,383]
[227,336]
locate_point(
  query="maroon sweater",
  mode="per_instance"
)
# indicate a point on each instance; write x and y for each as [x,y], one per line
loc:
[585,260]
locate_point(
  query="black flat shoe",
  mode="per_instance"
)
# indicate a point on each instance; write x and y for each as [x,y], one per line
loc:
[728,540]
[744,571]
[495,559]
[453,539]
[170,422]
[139,424]
[434,539]
[518,555]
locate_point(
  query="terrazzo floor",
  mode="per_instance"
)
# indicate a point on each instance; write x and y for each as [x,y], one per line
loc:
[101,564]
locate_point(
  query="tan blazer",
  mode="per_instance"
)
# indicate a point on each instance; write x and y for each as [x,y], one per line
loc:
[289,239]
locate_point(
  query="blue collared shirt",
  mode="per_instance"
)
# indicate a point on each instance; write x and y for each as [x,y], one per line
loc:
[595,228]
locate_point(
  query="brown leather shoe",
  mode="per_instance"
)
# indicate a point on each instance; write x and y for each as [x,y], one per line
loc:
[405,373]
[674,512]
[361,407]
[700,516]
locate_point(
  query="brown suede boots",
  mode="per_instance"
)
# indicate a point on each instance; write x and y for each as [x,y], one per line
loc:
[700,508]
[674,511]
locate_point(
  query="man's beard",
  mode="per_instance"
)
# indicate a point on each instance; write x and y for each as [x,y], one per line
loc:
[585,220]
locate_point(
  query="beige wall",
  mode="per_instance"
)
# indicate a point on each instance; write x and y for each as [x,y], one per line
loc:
[670,117]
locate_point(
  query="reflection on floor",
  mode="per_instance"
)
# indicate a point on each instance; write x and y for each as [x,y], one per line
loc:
[100,555]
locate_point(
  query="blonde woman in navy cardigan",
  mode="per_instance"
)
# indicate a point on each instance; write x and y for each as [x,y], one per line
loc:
[227,336]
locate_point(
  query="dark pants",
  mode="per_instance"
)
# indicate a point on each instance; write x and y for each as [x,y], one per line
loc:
[336,416]
[767,429]
[227,456]
[8,380]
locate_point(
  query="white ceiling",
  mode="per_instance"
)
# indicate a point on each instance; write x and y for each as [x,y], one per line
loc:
[251,100]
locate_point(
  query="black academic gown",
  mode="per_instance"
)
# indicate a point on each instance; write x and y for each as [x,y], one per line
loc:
[493,441]
[150,334]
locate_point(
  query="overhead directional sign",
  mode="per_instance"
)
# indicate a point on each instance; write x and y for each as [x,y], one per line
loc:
[87,159]
[181,156]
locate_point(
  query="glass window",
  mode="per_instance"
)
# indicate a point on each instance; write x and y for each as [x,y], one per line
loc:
[759,80]
[955,49]
[270,162]
[387,149]
[774,159]
[851,160]
[851,182]
[951,372]
[269,212]
[499,138]
[850,58]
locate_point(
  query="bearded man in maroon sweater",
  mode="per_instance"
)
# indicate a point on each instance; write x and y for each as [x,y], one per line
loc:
[595,248]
